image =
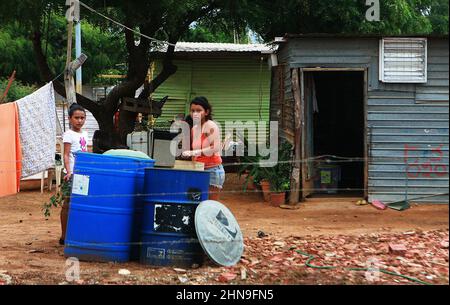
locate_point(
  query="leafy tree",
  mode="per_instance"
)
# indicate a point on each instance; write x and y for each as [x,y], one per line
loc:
[170,20]
[220,30]
[438,16]
[104,49]
[166,20]
[275,18]
[16,91]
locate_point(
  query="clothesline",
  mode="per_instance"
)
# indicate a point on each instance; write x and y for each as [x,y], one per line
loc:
[124,26]
[29,126]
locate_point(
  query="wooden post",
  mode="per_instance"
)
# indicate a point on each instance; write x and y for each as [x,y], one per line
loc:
[68,73]
[296,171]
[11,79]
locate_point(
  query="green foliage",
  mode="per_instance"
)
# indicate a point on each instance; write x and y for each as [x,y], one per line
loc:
[275,18]
[105,50]
[58,199]
[250,167]
[219,30]
[16,54]
[278,174]
[16,91]
[438,16]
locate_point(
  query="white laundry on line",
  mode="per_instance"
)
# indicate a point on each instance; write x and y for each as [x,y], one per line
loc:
[37,130]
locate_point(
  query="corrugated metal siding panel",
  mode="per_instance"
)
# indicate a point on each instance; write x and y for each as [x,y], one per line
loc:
[395,116]
[282,110]
[406,136]
[238,88]
[436,89]
[399,120]
[90,126]
[177,87]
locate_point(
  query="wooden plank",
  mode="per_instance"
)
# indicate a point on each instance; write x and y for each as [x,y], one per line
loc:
[306,87]
[333,69]
[296,176]
[366,134]
[69,82]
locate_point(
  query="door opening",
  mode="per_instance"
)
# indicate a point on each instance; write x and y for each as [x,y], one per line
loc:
[334,132]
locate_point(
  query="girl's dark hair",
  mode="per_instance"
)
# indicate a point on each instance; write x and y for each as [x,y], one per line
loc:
[75,107]
[203,101]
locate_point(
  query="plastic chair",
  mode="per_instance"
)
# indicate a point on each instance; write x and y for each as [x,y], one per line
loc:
[58,168]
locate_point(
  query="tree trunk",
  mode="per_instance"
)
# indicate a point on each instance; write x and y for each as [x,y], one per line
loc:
[103,111]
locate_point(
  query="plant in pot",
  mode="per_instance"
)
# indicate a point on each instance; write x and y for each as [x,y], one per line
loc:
[249,168]
[255,174]
[279,175]
[278,188]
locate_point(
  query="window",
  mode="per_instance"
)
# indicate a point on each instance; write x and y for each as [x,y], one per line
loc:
[403,60]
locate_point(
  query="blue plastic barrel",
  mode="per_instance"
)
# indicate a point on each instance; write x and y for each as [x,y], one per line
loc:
[105,211]
[168,229]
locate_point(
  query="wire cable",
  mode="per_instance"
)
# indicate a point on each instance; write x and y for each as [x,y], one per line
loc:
[124,26]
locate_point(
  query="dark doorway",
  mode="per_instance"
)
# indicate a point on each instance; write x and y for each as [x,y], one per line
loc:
[338,132]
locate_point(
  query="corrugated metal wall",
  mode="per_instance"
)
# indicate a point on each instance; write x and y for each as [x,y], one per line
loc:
[177,87]
[407,123]
[282,100]
[410,136]
[238,88]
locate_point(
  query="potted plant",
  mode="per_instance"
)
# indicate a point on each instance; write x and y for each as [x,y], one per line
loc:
[279,175]
[254,173]
[278,193]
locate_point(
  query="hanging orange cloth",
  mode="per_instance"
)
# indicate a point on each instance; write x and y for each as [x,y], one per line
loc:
[10,150]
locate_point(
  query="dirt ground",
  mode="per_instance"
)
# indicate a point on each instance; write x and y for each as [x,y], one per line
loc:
[30,254]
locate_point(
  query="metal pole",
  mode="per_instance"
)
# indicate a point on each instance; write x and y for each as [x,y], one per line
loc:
[79,88]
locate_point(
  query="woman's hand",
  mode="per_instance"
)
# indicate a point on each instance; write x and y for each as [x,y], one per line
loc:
[67,177]
[191,153]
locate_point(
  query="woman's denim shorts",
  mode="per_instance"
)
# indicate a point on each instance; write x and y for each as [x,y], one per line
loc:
[217,176]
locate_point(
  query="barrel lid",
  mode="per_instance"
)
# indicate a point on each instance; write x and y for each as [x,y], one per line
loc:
[219,233]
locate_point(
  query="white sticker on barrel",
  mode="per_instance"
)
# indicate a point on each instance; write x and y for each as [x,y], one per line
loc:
[80,185]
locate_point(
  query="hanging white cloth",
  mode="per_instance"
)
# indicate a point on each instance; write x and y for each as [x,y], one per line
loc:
[37,129]
[314,96]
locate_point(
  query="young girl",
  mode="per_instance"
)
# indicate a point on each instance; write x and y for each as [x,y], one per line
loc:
[75,139]
[206,144]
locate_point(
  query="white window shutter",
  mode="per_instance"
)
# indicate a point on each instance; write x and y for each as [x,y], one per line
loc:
[403,60]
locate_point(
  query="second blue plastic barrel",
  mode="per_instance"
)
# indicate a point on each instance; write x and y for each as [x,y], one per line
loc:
[104,220]
[168,229]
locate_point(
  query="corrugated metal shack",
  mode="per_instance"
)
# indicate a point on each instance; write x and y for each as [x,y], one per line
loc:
[234,77]
[375,107]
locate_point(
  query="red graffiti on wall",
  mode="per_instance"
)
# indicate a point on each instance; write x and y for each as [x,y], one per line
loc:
[432,167]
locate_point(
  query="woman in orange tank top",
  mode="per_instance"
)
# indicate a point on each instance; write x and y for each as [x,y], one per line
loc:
[206,145]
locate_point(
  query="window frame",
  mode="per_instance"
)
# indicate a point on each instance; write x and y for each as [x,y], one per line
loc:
[381,59]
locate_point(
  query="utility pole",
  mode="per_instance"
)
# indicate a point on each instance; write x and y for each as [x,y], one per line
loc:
[71,15]
[79,80]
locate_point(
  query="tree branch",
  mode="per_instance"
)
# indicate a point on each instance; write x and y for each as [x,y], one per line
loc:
[168,69]
[48,76]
